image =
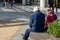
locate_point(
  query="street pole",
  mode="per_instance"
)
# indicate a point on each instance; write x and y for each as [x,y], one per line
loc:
[42,4]
[24,2]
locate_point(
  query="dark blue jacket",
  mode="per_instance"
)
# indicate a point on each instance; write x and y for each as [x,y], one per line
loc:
[37,20]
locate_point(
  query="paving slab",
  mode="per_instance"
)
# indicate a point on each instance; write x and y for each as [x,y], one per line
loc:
[7,32]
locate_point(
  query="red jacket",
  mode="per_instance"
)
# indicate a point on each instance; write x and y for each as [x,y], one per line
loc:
[49,18]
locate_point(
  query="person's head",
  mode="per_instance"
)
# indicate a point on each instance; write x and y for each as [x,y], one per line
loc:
[49,11]
[36,8]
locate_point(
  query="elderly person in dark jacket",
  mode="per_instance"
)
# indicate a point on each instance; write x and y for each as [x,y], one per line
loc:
[36,23]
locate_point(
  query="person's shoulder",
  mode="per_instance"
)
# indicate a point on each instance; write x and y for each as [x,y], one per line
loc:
[42,13]
[32,14]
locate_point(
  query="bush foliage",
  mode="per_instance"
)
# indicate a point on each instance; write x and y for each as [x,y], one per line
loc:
[54,28]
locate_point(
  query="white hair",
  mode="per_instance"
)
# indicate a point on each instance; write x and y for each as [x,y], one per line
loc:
[35,8]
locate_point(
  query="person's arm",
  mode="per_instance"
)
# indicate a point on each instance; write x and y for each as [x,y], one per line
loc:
[31,21]
[47,20]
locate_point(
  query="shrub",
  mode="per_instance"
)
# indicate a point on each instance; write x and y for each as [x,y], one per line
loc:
[54,28]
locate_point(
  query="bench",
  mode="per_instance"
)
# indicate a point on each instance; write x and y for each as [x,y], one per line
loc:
[39,36]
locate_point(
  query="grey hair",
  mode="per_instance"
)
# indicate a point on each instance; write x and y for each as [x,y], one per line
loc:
[36,8]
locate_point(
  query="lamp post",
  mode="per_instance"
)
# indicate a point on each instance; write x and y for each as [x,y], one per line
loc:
[23,2]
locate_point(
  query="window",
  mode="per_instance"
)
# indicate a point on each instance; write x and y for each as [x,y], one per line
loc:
[33,2]
[37,2]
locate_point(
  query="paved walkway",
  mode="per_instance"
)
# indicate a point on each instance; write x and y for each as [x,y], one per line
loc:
[6,32]
[21,30]
[16,8]
[12,24]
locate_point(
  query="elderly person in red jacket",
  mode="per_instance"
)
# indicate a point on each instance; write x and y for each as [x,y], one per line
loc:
[50,16]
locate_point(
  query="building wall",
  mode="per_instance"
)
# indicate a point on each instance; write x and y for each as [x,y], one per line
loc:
[59,3]
[56,3]
[34,2]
